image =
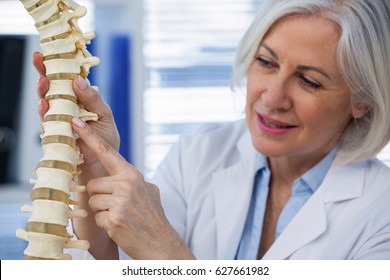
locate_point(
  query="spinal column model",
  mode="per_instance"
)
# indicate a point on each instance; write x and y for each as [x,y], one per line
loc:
[65,57]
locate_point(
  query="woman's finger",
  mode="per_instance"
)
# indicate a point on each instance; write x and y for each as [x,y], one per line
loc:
[91,98]
[37,61]
[102,185]
[100,202]
[101,219]
[43,107]
[42,87]
[108,156]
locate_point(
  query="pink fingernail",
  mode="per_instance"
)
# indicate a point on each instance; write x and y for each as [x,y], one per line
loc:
[40,101]
[78,122]
[81,83]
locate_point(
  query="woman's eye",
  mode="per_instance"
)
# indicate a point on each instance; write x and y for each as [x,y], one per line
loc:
[264,62]
[309,83]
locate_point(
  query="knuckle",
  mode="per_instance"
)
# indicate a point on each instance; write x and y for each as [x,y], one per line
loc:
[105,112]
[90,186]
[91,202]
[121,202]
[95,97]
[125,186]
[116,219]
[137,176]
[154,188]
[98,220]
[108,111]
[101,221]
[103,146]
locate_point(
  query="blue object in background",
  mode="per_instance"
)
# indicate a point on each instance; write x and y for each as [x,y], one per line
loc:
[92,49]
[119,89]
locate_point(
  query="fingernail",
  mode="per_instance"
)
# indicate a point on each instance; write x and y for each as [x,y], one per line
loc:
[78,122]
[40,101]
[36,53]
[81,83]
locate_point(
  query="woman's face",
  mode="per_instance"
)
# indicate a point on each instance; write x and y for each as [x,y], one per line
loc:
[298,103]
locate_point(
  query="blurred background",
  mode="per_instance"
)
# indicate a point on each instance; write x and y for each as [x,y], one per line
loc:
[165,69]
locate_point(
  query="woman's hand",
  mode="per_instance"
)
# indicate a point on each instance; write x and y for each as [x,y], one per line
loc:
[127,207]
[91,100]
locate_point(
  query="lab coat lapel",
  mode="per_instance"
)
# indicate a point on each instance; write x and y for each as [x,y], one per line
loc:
[343,182]
[232,193]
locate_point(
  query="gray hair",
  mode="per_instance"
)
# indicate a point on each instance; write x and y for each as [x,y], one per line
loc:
[363,57]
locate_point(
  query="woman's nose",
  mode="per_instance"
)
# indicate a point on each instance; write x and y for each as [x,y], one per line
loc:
[275,96]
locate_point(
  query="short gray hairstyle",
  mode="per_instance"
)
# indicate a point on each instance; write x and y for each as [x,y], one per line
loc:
[363,57]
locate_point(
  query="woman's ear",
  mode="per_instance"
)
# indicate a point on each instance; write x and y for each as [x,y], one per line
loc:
[359,110]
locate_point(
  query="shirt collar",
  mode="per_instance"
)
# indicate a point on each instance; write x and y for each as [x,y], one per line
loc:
[313,177]
[316,174]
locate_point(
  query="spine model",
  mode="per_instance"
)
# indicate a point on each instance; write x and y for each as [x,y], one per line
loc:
[65,57]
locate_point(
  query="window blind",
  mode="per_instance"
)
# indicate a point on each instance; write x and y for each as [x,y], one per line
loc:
[189,49]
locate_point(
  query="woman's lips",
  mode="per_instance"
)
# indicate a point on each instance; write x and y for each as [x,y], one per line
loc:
[272,126]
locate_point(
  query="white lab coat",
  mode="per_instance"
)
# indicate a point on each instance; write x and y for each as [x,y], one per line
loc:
[206,182]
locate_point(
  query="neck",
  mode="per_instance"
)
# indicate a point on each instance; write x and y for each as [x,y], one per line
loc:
[285,170]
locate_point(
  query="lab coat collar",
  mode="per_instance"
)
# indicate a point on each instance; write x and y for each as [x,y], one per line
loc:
[232,192]
[343,182]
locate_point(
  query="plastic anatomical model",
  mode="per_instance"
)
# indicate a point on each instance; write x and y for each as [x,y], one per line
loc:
[65,57]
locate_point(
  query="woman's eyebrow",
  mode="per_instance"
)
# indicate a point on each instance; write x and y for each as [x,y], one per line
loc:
[313,68]
[271,51]
[299,67]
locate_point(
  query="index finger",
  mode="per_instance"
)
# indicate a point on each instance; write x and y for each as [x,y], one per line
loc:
[108,156]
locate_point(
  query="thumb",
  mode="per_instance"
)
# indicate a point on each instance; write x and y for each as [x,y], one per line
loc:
[90,97]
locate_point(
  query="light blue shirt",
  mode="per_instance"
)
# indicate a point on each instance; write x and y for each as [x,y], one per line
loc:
[302,190]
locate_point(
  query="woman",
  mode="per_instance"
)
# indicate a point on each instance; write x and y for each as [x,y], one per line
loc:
[295,180]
